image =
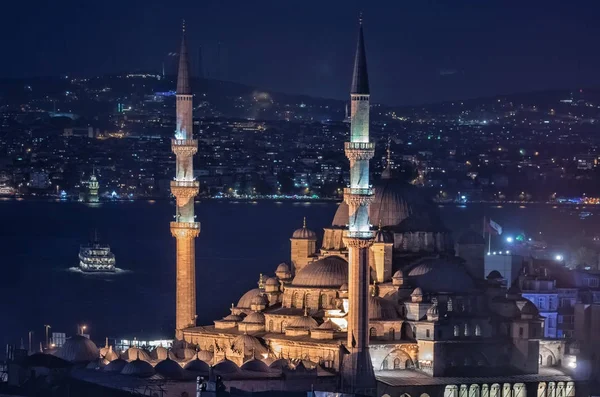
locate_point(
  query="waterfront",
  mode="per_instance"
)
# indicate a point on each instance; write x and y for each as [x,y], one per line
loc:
[40,241]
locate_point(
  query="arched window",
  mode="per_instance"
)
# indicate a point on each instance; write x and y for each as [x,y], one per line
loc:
[456,330]
[384,365]
[427,333]
[306,301]
[392,334]
[414,331]
[467,330]
[283,326]
[396,363]
[270,326]
[372,332]
[477,330]
[295,300]
[323,301]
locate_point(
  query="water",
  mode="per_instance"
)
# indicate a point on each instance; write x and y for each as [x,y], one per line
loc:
[39,242]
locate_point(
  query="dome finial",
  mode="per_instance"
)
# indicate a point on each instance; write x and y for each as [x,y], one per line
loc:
[360,18]
[304,223]
[183,25]
[379,223]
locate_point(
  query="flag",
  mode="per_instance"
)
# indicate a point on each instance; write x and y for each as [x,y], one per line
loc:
[495,228]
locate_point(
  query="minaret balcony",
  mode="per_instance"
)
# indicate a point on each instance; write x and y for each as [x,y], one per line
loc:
[184,147]
[185,229]
[184,191]
[358,239]
[359,150]
[357,196]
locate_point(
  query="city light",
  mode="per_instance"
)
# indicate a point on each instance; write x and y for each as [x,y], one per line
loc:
[558,257]
[509,239]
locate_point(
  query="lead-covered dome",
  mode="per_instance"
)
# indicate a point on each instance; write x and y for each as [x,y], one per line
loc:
[254,318]
[439,276]
[304,322]
[329,272]
[115,365]
[255,365]
[139,368]
[226,367]
[197,366]
[382,309]
[78,349]
[304,234]
[250,344]
[169,369]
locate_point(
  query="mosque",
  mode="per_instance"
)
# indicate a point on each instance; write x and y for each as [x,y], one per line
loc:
[388,310]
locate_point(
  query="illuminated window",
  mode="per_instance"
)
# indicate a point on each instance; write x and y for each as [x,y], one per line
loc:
[456,330]
[477,330]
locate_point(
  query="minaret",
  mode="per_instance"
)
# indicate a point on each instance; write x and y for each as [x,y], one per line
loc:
[357,368]
[185,228]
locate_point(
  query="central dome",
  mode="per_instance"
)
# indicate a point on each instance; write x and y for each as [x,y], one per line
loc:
[394,201]
[329,272]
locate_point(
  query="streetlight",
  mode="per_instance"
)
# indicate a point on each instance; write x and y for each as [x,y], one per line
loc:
[47,343]
[558,257]
[509,239]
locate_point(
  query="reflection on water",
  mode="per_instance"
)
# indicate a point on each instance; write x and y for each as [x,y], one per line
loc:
[117,272]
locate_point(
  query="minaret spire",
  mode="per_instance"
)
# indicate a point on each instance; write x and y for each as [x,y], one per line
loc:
[360,76]
[183,76]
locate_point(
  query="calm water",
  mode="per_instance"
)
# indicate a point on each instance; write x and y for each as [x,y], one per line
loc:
[39,242]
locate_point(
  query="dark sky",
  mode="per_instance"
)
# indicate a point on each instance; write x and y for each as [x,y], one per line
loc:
[418,50]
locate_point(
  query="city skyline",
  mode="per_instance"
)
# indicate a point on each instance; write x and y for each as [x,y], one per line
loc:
[421,53]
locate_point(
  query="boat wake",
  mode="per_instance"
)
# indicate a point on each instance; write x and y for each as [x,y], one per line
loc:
[117,271]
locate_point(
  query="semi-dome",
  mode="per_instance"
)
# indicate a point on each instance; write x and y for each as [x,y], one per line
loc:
[232,317]
[395,200]
[134,353]
[139,368]
[115,365]
[440,275]
[226,367]
[197,366]
[169,369]
[250,344]
[382,309]
[78,349]
[255,365]
[254,318]
[303,322]
[246,300]
[471,237]
[329,272]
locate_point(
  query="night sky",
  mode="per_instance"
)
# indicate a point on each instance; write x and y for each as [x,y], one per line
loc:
[419,51]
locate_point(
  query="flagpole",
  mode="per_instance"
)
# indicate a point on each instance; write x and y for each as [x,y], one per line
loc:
[489,241]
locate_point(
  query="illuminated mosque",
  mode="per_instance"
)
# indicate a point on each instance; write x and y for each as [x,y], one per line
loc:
[387,310]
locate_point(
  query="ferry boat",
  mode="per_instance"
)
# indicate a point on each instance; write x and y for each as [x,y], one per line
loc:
[96,257]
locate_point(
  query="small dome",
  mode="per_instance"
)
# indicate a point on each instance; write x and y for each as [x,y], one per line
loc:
[398,274]
[169,369]
[246,299]
[110,355]
[255,365]
[329,325]
[382,236]
[259,300]
[280,364]
[494,275]
[382,309]
[161,353]
[471,237]
[226,367]
[304,322]
[197,366]
[304,234]
[254,318]
[282,268]
[329,272]
[139,368]
[78,349]
[205,355]
[115,365]
[186,353]
[250,344]
[417,292]
[344,287]
[272,281]
[96,364]
[134,353]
